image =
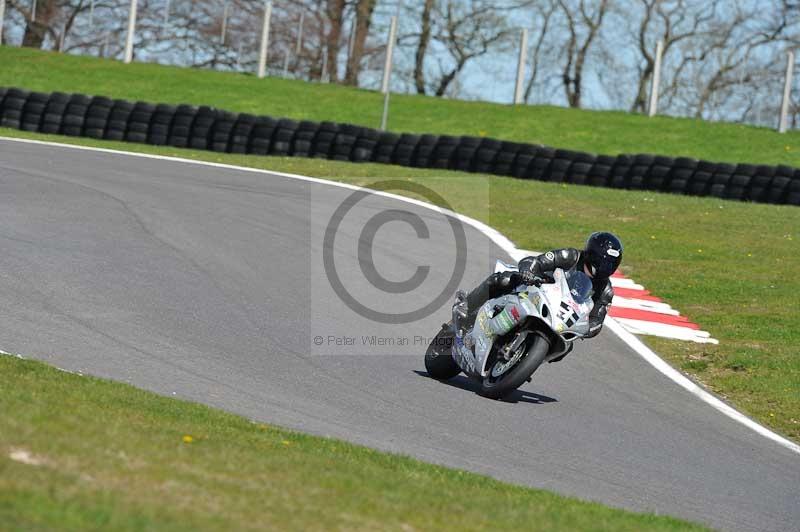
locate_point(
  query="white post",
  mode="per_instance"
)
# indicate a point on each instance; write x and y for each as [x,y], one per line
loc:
[787,92]
[33,11]
[523,59]
[2,17]
[286,64]
[324,72]
[239,57]
[105,44]
[387,67]
[131,30]
[62,38]
[262,58]
[656,80]
[224,24]
[299,36]
[166,13]
[387,72]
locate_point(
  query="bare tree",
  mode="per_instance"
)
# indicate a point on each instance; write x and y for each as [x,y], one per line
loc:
[732,62]
[335,12]
[422,46]
[54,19]
[364,10]
[670,21]
[460,32]
[583,26]
[544,13]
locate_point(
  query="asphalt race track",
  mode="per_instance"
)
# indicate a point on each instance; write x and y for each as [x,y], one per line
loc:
[210,284]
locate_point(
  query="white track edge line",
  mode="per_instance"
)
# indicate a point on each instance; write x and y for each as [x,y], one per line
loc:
[501,241]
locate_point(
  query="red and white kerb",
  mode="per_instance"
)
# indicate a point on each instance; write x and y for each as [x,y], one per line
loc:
[640,312]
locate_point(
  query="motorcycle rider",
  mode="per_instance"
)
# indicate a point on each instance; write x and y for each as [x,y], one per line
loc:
[599,259]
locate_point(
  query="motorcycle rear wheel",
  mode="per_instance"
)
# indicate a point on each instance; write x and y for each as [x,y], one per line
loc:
[521,372]
[438,358]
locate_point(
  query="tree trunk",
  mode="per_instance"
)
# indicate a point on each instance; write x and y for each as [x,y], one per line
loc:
[448,78]
[34,34]
[422,47]
[573,79]
[335,11]
[36,31]
[640,103]
[573,88]
[364,9]
[546,15]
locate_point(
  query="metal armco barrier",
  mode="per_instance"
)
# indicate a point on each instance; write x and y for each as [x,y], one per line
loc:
[206,128]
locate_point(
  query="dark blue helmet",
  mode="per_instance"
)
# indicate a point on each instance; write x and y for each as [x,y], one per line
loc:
[603,254]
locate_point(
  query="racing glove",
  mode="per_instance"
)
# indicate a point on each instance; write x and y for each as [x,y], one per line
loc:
[530,278]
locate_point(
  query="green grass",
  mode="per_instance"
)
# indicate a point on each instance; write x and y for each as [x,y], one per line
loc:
[730,266]
[594,131]
[108,456]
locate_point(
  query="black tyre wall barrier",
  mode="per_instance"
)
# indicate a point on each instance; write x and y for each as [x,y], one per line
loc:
[118,118]
[365,145]
[424,152]
[160,124]
[404,150]
[206,128]
[11,112]
[658,174]
[261,135]
[240,135]
[282,137]
[200,131]
[322,147]
[344,142]
[303,140]
[486,156]
[139,122]
[506,157]
[33,111]
[384,149]
[97,117]
[601,170]
[75,115]
[181,126]
[445,151]
[541,165]
[221,131]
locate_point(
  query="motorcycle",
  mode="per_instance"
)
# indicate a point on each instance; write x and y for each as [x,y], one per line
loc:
[514,334]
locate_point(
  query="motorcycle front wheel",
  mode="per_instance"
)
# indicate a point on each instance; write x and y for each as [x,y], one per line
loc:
[438,358]
[497,386]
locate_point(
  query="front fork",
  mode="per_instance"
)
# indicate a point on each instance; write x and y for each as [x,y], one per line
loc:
[462,346]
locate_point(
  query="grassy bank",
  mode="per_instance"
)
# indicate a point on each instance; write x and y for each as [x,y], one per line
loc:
[600,132]
[730,266]
[78,453]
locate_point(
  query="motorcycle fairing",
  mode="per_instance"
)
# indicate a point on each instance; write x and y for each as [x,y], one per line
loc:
[551,303]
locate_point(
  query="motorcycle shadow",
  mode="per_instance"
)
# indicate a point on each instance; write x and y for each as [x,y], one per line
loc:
[517,396]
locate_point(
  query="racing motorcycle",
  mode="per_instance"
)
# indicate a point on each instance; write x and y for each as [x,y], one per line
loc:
[514,334]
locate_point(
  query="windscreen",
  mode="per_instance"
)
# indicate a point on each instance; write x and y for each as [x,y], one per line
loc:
[580,286]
